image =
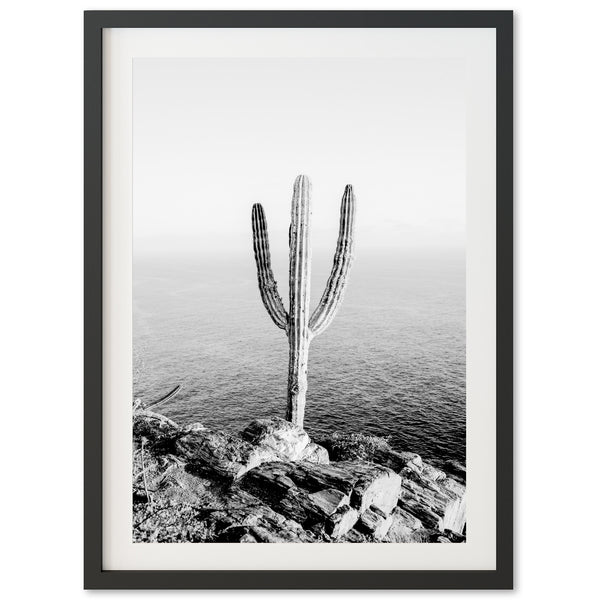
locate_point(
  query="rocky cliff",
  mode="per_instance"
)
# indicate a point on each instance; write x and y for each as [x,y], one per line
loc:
[272,483]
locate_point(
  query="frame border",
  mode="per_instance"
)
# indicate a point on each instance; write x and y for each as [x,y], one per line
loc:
[97,578]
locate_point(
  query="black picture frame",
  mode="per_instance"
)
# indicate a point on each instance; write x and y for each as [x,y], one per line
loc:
[94,575]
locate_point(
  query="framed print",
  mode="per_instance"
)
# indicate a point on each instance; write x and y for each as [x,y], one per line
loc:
[298,299]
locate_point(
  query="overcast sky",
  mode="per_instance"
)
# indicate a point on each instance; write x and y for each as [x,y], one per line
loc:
[213,136]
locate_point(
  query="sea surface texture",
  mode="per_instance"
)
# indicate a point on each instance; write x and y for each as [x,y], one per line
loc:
[391,364]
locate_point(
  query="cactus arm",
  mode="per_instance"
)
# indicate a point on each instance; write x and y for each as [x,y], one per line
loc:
[299,327]
[298,331]
[338,279]
[266,281]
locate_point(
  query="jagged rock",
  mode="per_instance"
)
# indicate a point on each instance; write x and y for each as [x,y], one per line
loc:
[285,438]
[241,535]
[374,522]
[273,485]
[267,535]
[194,427]
[158,431]
[455,515]
[397,461]
[376,486]
[455,538]
[310,493]
[225,455]
[330,500]
[314,477]
[438,504]
[413,461]
[315,454]
[430,472]
[342,521]
[238,509]
[403,527]
[242,516]
[173,481]
[271,482]
[366,483]
[414,506]
[354,537]
[456,470]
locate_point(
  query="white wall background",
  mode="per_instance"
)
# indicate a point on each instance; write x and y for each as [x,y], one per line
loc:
[557,277]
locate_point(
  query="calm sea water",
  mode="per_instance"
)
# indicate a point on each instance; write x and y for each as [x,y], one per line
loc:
[392,363]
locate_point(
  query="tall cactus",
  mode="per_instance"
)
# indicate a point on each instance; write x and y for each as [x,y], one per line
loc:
[299,328]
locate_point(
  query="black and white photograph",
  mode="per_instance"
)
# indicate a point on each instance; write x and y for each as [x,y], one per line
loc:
[299,300]
[300,297]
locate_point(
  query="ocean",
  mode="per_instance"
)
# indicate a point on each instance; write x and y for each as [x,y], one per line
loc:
[391,364]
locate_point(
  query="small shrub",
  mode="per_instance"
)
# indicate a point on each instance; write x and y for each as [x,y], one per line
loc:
[353,446]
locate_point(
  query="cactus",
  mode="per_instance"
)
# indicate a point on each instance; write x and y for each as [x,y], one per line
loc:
[301,329]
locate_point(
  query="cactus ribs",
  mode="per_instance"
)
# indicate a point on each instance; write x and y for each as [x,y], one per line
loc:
[299,328]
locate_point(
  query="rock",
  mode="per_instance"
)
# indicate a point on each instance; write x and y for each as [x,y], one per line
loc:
[398,460]
[438,504]
[273,484]
[310,493]
[455,538]
[223,454]
[179,485]
[377,486]
[315,454]
[430,472]
[366,483]
[315,477]
[413,461]
[354,537]
[239,534]
[428,517]
[330,500]
[408,520]
[375,523]
[456,470]
[403,527]
[455,515]
[245,519]
[342,521]
[158,432]
[286,439]
[281,535]
[194,427]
